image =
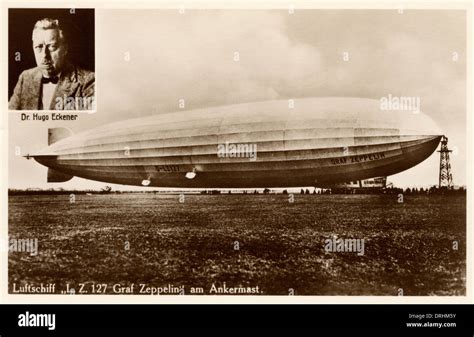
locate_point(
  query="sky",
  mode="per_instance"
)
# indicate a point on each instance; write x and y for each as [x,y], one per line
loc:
[147,60]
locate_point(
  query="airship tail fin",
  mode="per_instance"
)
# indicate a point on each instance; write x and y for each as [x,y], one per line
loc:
[57,177]
[56,134]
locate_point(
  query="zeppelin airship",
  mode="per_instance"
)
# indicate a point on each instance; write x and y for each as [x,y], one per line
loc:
[280,143]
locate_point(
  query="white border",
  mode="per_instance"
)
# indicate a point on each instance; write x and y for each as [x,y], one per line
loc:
[173,299]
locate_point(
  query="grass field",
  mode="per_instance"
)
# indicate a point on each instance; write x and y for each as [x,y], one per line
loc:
[157,240]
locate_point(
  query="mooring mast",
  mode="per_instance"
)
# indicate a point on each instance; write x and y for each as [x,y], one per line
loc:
[445,176]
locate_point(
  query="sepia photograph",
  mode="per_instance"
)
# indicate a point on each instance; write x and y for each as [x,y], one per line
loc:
[247,152]
[51,59]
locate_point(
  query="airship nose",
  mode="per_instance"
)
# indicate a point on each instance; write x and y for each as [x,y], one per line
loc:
[426,125]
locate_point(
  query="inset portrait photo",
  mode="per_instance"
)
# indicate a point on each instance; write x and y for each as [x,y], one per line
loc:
[51,59]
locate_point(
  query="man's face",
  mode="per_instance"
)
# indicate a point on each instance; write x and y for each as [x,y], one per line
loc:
[50,51]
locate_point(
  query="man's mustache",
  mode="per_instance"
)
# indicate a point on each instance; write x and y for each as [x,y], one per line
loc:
[46,62]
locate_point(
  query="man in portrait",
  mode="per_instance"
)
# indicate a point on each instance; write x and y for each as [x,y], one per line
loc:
[55,83]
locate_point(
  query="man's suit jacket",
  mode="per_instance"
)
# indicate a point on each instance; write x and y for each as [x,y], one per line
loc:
[73,82]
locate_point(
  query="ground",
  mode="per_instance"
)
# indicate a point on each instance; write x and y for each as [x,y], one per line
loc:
[416,247]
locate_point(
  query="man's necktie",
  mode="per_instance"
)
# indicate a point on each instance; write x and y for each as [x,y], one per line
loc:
[53,80]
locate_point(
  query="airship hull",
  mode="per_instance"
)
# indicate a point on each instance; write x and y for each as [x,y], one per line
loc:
[267,144]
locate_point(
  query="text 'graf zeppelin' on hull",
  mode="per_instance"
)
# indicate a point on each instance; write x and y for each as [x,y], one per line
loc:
[265,144]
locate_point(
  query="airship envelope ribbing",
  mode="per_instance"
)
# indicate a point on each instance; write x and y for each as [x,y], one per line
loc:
[308,142]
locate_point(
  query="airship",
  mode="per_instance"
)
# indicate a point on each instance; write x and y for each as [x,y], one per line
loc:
[279,143]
